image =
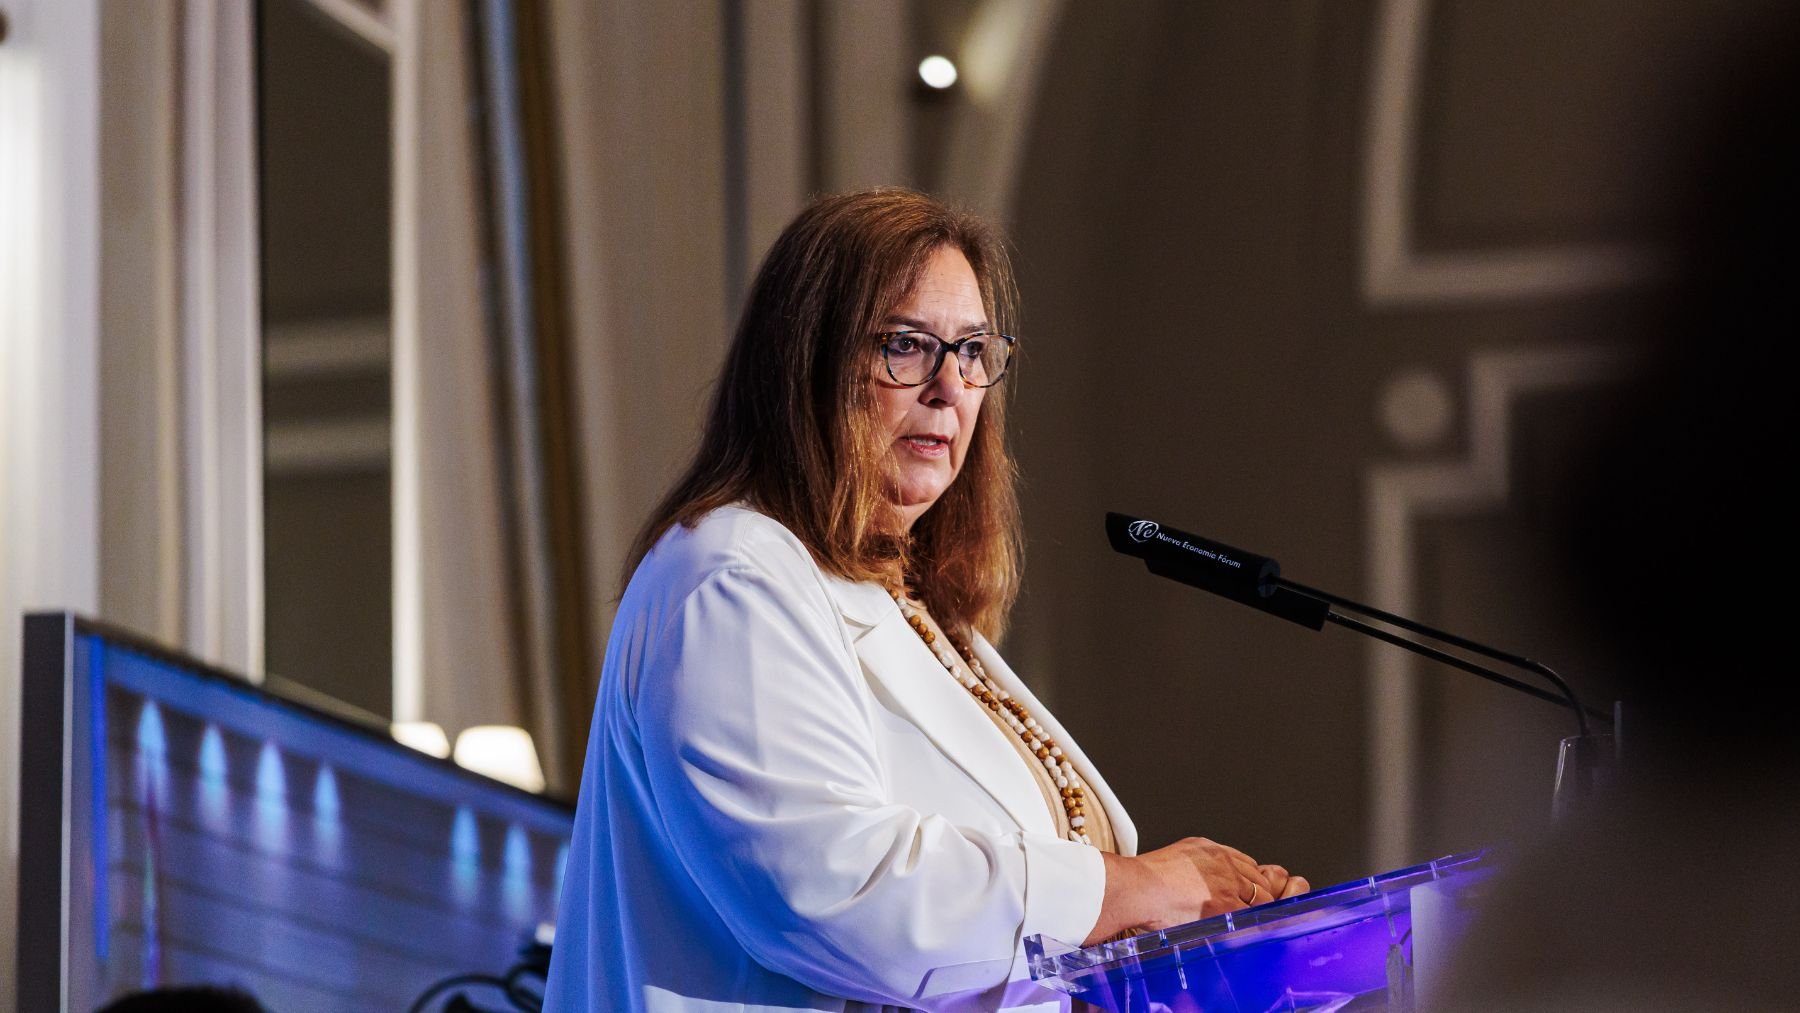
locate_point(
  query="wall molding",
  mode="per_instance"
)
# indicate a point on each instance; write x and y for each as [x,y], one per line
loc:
[1393,271]
[331,347]
[50,241]
[776,73]
[864,94]
[372,26]
[407,75]
[1002,59]
[221,338]
[1396,497]
[336,446]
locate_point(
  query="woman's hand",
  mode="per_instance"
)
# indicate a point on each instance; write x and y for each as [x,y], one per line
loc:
[1189,880]
[1282,884]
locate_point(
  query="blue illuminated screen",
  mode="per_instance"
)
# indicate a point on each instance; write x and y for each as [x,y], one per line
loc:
[254,843]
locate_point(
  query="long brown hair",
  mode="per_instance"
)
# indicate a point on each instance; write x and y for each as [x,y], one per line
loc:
[792,430]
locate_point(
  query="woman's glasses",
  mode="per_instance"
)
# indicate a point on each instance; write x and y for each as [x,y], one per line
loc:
[914,357]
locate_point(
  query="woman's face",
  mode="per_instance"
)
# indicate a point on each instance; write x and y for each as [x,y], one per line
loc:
[930,427]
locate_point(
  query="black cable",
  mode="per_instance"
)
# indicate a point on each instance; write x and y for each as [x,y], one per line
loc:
[534,963]
[521,995]
[451,982]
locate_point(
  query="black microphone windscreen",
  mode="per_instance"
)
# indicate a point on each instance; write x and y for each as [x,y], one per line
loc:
[1156,543]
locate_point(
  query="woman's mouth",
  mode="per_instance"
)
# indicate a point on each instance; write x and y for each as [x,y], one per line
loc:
[932,445]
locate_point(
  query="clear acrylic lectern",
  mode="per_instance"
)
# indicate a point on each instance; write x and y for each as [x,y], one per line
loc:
[1373,944]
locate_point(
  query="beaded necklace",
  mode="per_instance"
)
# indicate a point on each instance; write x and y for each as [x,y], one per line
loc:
[1037,741]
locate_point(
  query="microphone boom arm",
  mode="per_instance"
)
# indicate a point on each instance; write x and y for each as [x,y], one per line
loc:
[1209,566]
[1412,625]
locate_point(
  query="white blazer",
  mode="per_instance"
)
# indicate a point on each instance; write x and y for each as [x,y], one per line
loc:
[789,804]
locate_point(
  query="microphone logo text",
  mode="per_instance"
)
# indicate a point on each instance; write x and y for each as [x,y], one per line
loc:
[1148,531]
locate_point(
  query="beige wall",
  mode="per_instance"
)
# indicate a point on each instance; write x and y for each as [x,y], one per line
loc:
[1266,306]
[50,224]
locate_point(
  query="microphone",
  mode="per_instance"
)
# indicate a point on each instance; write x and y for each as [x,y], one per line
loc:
[1256,581]
[1244,577]
[1149,540]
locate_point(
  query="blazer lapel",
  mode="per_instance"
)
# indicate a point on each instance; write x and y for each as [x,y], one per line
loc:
[910,676]
[1124,831]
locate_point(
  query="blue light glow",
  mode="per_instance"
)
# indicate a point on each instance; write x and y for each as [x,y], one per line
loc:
[271,799]
[562,864]
[150,768]
[150,739]
[516,882]
[328,825]
[325,794]
[465,856]
[214,791]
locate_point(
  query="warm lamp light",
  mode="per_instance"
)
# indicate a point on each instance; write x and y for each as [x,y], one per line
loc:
[425,736]
[502,752]
[937,72]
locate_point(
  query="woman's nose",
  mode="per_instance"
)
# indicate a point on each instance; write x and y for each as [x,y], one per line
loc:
[946,388]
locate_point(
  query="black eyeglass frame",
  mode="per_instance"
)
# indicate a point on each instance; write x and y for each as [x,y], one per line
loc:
[947,348]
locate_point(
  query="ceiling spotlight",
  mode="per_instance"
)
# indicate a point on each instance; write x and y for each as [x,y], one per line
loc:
[937,72]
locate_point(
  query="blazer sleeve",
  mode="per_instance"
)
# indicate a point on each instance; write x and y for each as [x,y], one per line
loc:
[757,733]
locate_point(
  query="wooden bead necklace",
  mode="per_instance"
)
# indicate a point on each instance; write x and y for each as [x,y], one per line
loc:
[1010,711]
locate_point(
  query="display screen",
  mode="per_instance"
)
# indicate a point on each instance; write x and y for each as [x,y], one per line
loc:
[220,835]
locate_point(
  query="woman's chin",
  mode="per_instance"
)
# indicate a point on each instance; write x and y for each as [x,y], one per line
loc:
[918,484]
[914,501]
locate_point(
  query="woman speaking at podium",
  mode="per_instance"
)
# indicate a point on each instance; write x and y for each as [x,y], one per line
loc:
[812,783]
